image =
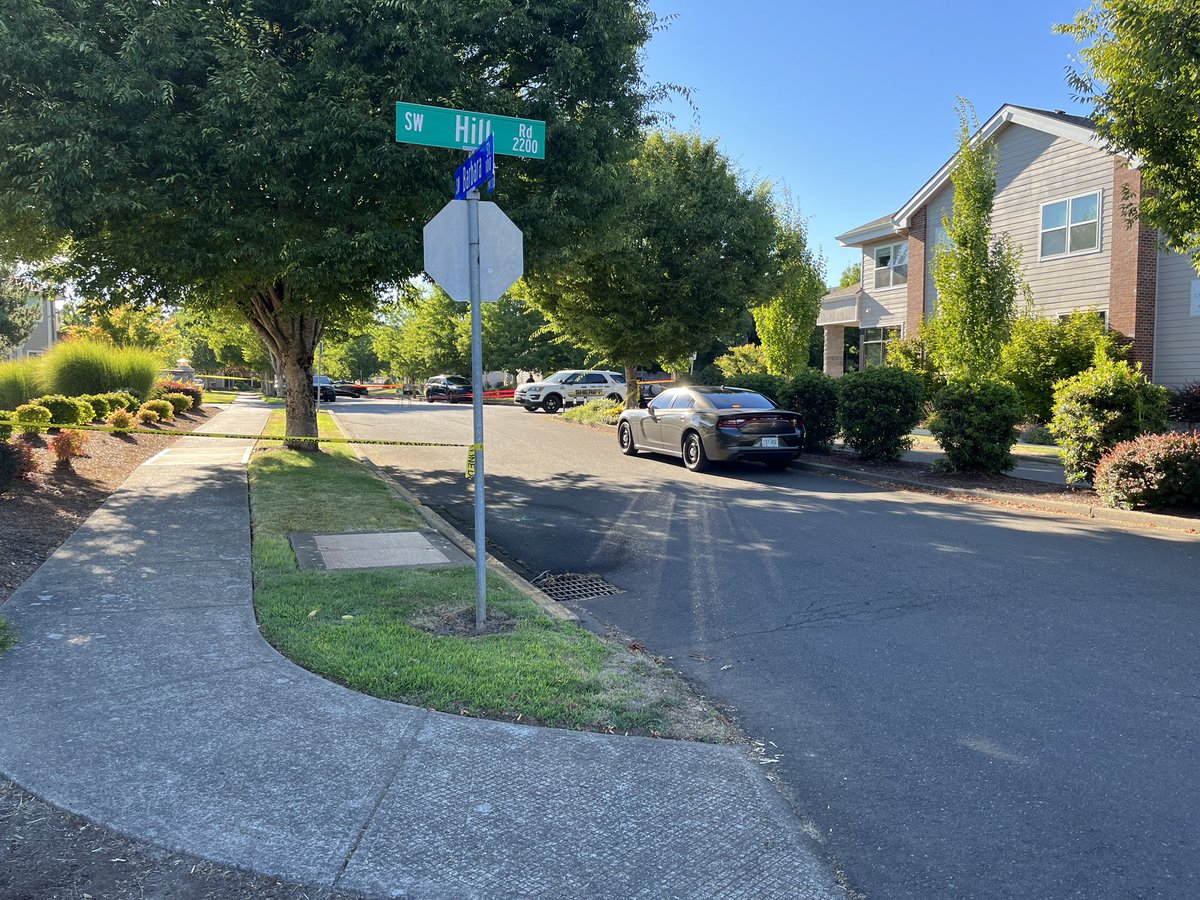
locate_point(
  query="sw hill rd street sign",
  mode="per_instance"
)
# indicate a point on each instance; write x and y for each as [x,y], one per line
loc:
[436,126]
[501,251]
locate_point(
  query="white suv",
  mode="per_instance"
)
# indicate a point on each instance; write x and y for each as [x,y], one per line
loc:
[570,387]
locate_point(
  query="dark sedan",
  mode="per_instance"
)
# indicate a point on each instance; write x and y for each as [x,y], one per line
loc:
[451,388]
[349,389]
[713,424]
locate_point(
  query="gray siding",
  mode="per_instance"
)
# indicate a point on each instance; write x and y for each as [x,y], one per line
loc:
[881,306]
[1176,330]
[1035,168]
[43,335]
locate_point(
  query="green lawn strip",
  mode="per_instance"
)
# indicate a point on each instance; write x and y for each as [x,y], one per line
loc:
[372,630]
[8,634]
[219,396]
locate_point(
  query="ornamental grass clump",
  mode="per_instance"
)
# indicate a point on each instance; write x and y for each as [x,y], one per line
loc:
[976,424]
[20,382]
[91,367]
[1161,470]
[1101,407]
[877,410]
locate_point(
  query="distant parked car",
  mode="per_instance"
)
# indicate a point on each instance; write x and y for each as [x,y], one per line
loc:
[349,389]
[323,389]
[451,388]
[713,424]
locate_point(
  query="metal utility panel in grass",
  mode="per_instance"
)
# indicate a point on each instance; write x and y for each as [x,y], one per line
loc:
[376,550]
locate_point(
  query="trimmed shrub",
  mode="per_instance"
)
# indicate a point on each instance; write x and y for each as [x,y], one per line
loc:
[1152,470]
[1101,407]
[1038,434]
[165,410]
[1184,403]
[976,424]
[67,410]
[101,406]
[1042,352]
[122,399]
[16,461]
[121,419]
[190,389]
[180,403]
[89,367]
[20,382]
[814,395]
[7,417]
[877,408]
[147,416]
[33,419]
[67,445]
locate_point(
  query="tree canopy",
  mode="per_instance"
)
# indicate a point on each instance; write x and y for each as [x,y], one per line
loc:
[977,274]
[241,153]
[1141,73]
[785,322]
[19,310]
[692,248]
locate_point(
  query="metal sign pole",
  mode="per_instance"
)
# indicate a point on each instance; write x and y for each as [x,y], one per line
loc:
[477,407]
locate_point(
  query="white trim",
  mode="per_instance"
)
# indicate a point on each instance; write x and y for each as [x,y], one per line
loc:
[1099,195]
[891,267]
[865,235]
[1005,115]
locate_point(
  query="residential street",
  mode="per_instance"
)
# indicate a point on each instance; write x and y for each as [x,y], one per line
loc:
[967,700]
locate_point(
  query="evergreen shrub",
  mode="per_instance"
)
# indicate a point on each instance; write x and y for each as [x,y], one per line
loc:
[33,418]
[1161,470]
[1184,403]
[7,417]
[1101,407]
[147,416]
[773,387]
[814,395]
[121,419]
[101,406]
[976,424]
[180,403]
[166,412]
[877,408]
[67,410]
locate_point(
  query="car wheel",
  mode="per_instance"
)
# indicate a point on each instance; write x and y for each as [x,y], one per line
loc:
[429,396]
[625,440]
[615,398]
[552,404]
[529,408]
[694,456]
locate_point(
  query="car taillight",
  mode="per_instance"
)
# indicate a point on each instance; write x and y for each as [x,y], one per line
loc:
[798,423]
[731,422]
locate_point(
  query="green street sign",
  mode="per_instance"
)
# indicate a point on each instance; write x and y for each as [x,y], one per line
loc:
[436,126]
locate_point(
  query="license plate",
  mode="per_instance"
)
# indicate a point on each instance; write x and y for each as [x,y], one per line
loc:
[769,442]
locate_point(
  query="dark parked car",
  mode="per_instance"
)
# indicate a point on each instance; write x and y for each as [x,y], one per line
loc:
[323,389]
[451,388]
[718,424]
[349,389]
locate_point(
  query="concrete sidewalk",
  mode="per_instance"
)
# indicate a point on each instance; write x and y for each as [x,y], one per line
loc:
[142,697]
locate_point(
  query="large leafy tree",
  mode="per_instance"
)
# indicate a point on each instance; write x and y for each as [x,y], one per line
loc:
[241,154]
[421,339]
[977,274]
[851,275]
[1141,73]
[693,248]
[516,337]
[126,325]
[786,320]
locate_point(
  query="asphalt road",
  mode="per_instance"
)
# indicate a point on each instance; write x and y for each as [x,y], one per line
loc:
[967,701]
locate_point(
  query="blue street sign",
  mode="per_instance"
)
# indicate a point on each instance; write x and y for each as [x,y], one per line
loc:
[479,167]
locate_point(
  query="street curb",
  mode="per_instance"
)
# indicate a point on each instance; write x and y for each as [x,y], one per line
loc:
[460,540]
[1100,513]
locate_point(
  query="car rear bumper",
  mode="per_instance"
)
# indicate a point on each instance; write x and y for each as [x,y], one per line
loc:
[732,448]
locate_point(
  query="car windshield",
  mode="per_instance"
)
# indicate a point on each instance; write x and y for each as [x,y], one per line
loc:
[559,377]
[454,379]
[723,398]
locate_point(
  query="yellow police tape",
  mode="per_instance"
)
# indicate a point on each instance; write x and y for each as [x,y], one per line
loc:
[254,437]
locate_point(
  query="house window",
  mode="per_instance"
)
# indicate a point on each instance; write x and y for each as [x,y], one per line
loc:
[1071,226]
[874,344]
[891,265]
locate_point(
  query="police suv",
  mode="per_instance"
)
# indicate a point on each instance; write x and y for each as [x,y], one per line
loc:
[569,388]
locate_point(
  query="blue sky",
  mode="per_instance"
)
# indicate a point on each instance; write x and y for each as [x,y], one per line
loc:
[851,105]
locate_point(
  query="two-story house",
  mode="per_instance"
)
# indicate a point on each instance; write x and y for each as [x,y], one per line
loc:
[1059,195]
[44,334]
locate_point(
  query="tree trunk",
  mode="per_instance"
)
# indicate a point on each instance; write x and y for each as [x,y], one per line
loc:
[291,335]
[633,392]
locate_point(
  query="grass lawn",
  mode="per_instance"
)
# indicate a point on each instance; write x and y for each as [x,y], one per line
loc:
[373,630]
[220,396]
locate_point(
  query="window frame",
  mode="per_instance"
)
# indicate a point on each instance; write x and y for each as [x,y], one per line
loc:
[885,337]
[1066,228]
[890,267]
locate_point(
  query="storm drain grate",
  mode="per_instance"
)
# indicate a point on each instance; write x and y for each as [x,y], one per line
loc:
[573,586]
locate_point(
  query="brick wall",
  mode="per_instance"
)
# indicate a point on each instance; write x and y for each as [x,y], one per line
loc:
[1134,271]
[915,310]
